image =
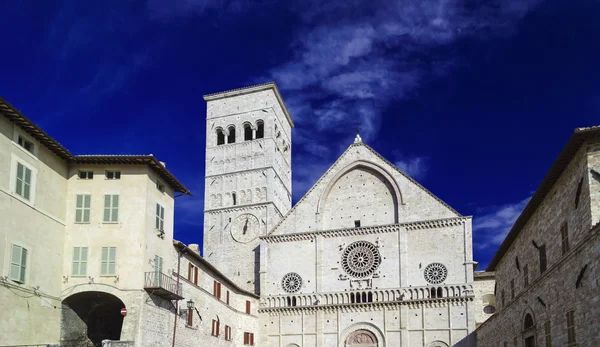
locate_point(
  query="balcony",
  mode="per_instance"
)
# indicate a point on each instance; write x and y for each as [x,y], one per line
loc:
[162,285]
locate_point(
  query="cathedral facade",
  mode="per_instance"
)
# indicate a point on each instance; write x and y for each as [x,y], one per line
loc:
[368,257]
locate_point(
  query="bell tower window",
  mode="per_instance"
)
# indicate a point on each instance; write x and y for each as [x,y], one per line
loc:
[260,129]
[247,132]
[234,199]
[220,137]
[231,136]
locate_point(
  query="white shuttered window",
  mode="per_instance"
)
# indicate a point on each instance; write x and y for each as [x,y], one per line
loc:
[109,261]
[111,208]
[23,184]
[18,263]
[82,208]
[160,217]
[80,257]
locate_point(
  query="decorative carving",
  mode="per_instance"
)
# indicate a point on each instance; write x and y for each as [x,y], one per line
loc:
[361,337]
[291,282]
[435,273]
[360,259]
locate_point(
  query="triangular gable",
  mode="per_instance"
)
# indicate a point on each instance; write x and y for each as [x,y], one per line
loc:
[414,202]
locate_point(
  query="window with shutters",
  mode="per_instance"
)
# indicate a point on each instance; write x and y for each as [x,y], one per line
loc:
[160,218]
[248,338]
[192,273]
[215,327]
[83,205]
[108,265]
[564,236]
[80,257]
[190,317]
[113,175]
[86,175]
[526,275]
[158,266]
[23,181]
[217,289]
[18,263]
[227,333]
[547,334]
[571,327]
[111,208]
[247,306]
[227,298]
[160,186]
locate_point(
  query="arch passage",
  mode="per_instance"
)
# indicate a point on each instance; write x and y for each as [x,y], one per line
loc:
[92,316]
[360,197]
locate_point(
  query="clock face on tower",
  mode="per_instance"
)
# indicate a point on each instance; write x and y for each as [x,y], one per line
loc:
[245,228]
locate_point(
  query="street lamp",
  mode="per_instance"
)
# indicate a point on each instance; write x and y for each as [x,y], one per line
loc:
[190,304]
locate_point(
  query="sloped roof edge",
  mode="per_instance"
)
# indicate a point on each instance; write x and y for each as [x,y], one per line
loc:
[579,137]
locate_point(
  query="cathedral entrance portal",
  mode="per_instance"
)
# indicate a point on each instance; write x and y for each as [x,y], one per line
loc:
[361,338]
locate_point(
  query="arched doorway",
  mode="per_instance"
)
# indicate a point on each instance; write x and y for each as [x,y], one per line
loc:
[361,338]
[93,316]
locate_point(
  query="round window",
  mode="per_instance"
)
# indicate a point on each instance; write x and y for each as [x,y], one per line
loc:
[291,282]
[489,309]
[435,273]
[361,259]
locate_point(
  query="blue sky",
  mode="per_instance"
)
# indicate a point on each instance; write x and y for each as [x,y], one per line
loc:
[474,99]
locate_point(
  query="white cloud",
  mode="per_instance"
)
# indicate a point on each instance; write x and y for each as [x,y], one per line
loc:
[416,167]
[491,227]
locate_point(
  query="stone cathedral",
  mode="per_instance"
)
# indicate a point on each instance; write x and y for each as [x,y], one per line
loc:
[367,257]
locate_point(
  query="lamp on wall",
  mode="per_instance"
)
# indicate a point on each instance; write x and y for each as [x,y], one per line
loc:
[190,304]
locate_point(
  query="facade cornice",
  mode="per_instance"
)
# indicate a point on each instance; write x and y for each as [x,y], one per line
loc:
[380,229]
[249,207]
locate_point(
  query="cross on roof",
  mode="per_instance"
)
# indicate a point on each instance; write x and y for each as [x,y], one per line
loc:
[358,123]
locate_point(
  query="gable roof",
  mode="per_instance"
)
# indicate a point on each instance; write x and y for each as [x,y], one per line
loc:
[580,136]
[321,179]
[10,112]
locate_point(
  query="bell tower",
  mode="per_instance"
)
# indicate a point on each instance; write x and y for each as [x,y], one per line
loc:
[248,182]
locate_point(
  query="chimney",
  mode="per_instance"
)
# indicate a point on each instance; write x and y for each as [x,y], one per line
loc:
[163,164]
[194,247]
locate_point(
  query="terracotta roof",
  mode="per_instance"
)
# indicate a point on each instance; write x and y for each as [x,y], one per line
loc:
[36,132]
[252,89]
[184,249]
[10,112]
[579,137]
[129,159]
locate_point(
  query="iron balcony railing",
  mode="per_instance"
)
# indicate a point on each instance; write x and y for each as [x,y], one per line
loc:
[162,285]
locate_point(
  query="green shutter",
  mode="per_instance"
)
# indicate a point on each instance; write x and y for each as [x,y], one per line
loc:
[83,261]
[23,264]
[106,208]
[15,263]
[115,208]
[75,266]
[162,218]
[112,260]
[27,184]
[157,223]
[19,185]
[104,263]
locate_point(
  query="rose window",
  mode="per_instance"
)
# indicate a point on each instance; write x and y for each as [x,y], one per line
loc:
[361,259]
[435,273]
[291,282]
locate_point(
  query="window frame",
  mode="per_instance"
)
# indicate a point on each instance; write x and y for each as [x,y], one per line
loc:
[107,273]
[228,333]
[160,186]
[26,138]
[15,160]
[248,306]
[215,328]
[22,275]
[217,289]
[111,209]
[547,333]
[89,174]
[571,336]
[24,182]
[79,262]
[192,273]
[115,173]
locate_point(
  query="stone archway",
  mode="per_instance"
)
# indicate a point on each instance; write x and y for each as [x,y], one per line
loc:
[91,316]
[361,338]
